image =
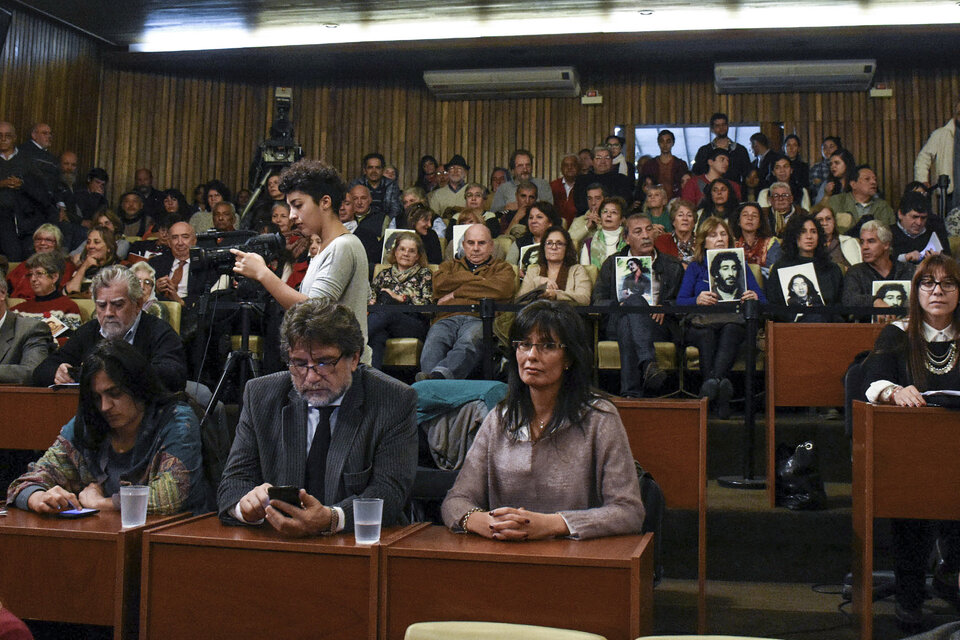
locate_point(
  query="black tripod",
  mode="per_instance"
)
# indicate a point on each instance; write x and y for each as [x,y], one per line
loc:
[240,360]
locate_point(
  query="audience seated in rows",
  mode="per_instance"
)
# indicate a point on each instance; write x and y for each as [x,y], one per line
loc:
[46,239]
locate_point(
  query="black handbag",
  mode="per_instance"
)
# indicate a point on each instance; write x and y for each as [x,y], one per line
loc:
[799,484]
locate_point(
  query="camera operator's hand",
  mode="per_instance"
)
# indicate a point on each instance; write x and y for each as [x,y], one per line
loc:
[250,265]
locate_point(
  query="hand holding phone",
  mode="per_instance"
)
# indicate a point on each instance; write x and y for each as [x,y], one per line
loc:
[288,494]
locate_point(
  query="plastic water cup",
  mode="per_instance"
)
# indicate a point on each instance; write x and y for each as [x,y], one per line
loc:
[367,513]
[133,505]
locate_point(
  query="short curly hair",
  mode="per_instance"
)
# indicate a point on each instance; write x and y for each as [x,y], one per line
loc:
[314,178]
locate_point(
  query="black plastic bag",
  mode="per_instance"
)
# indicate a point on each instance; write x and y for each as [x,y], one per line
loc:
[799,485]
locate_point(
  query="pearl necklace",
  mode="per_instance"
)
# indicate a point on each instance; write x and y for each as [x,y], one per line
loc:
[944,364]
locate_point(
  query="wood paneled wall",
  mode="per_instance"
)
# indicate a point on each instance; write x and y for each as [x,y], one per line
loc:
[191,130]
[51,74]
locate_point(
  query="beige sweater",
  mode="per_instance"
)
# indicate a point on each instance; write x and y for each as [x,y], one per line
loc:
[585,473]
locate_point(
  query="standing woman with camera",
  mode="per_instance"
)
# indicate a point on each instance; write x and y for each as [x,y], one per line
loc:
[338,273]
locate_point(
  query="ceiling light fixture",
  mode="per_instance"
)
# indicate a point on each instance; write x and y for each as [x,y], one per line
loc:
[709,17]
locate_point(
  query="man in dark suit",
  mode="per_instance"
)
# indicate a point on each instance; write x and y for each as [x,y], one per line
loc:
[117,294]
[24,343]
[190,282]
[37,150]
[332,427]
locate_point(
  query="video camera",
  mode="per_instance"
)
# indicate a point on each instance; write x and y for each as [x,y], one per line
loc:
[213,253]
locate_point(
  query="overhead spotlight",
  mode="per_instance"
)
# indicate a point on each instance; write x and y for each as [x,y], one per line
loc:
[649,12]
[331,25]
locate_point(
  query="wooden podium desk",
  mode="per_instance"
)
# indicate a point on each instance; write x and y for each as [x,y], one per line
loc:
[603,586]
[83,571]
[904,466]
[203,579]
[805,366]
[669,439]
[31,417]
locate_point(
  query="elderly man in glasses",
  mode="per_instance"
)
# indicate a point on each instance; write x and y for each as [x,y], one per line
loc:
[331,427]
[781,207]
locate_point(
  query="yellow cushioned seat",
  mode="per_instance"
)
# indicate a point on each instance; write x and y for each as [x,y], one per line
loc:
[402,352]
[256,345]
[608,356]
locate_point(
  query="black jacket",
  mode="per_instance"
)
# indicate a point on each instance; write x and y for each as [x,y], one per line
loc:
[155,339]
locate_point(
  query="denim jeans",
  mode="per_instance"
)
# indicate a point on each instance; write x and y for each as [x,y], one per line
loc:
[452,347]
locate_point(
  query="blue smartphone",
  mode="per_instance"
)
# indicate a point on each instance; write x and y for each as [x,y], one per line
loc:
[77,513]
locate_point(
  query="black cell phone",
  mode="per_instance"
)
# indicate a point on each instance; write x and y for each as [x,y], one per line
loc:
[288,494]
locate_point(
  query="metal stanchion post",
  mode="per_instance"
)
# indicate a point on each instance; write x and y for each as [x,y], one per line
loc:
[751,313]
[487,316]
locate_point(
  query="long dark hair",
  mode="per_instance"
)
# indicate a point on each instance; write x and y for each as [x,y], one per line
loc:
[725,211]
[132,374]
[916,343]
[556,321]
[849,175]
[421,176]
[569,252]
[791,233]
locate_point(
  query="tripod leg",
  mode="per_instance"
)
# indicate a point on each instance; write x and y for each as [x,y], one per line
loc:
[233,360]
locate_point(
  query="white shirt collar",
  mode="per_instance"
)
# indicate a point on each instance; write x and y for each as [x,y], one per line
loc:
[930,334]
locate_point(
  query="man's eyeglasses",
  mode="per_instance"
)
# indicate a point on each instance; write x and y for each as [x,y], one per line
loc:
[781,196]
[526,346]
[929,284]
[320,368]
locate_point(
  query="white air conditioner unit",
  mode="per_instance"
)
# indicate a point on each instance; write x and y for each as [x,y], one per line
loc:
[781,77]
[492,84]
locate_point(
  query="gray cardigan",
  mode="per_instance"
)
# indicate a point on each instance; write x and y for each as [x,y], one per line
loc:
[583,472]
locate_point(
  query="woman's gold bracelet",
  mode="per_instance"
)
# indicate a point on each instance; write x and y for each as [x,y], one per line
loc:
[466,516]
